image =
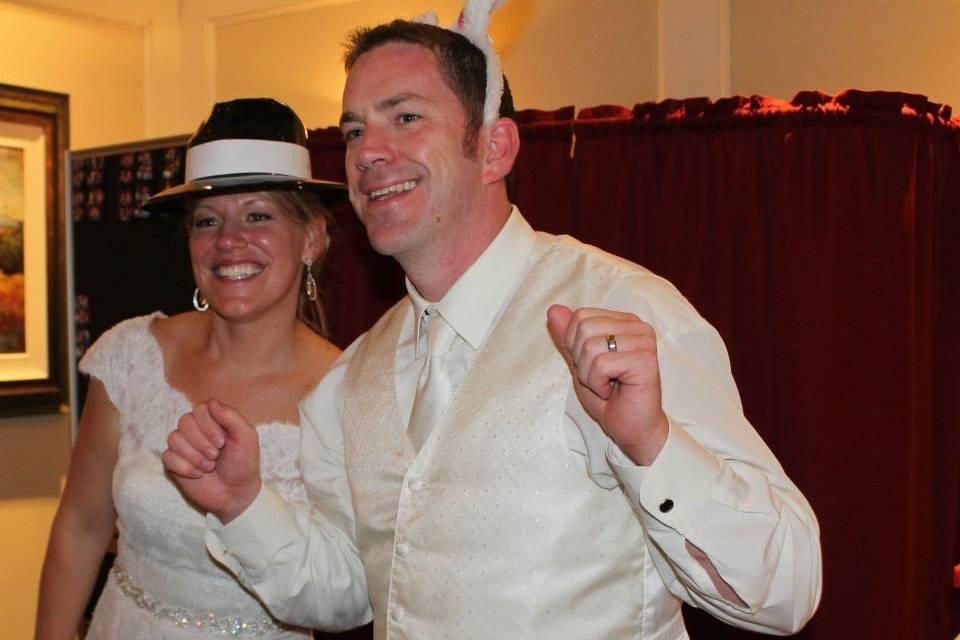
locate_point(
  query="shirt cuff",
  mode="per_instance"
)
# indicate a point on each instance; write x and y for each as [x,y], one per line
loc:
[251,539]
[673,489]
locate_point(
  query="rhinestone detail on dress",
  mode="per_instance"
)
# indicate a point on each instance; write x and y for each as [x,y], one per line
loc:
[207,623]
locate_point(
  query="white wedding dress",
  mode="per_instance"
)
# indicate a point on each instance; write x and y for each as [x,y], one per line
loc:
[164,584]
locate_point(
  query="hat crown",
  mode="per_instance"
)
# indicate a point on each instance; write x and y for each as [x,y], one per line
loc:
[247,144]
[251,119]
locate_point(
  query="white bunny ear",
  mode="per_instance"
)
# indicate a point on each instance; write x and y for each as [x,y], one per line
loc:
[427,18]
[473,23]
[475,17]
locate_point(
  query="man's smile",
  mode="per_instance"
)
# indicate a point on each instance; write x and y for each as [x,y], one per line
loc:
[392,190]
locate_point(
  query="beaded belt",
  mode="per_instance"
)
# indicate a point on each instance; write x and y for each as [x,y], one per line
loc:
[208,623]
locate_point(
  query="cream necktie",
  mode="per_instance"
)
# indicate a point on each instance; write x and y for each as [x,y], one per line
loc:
[433,387]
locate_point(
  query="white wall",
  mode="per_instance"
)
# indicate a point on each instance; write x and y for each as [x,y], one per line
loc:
[551,58]
[98,62]
[33,458]
[780,47]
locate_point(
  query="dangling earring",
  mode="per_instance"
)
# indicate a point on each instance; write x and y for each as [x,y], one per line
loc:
[310,284]
[199,302]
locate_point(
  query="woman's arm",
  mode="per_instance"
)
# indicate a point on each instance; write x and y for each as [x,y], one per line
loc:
[84,523]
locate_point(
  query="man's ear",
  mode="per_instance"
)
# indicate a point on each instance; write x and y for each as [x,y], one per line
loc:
[502,147]
[316,242]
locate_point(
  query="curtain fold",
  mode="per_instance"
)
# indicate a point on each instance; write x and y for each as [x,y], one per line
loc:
[543,173]
[818,236]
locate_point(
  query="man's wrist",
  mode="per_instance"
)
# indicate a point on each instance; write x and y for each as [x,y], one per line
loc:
[646,449]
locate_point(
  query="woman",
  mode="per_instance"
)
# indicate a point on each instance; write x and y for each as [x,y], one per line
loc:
[257,227]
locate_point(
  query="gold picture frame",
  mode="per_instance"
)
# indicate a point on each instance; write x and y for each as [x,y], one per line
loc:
[34,134]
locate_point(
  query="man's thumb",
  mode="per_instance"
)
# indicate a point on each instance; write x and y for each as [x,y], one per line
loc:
[558,319]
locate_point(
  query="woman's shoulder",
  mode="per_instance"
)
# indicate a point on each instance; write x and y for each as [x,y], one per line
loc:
[120,355]
[179,338]
[132,326]
[316,355]
[178,327]
[120,337]
[320,349]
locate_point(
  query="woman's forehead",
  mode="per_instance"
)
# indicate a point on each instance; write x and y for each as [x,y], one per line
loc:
[231,200]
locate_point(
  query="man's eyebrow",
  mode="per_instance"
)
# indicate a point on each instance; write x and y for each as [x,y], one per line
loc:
[384,105]
[389,103]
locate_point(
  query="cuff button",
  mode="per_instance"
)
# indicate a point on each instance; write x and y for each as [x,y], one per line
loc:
[666,506]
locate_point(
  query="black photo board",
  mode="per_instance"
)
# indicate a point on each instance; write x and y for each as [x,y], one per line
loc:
[125,261]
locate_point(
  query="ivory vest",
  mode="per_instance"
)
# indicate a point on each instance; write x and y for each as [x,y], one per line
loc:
[494,530]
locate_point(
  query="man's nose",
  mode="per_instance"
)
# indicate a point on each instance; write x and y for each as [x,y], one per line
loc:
[374,147]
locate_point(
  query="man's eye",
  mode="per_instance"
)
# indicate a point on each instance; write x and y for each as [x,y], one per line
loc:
[406,118]
[352,134]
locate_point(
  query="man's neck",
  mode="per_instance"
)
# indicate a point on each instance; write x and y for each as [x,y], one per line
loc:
[434,272]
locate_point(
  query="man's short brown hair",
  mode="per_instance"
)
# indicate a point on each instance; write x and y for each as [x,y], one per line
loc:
[462,65]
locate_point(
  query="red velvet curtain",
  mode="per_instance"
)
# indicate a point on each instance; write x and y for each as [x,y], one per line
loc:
[817,237]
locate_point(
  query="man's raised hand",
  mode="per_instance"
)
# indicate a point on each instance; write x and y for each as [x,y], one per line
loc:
[613,359]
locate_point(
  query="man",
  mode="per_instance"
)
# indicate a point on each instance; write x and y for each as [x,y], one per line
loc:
[541,440]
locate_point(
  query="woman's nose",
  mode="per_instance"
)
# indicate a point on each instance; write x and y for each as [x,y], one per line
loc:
[231,235]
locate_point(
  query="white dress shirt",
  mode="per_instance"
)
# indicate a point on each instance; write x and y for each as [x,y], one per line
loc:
[713,500]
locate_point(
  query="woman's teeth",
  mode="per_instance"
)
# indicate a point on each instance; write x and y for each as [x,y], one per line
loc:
[238,271]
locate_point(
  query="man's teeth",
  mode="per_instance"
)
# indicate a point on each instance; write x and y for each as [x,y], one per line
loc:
[400,187]
[238,271]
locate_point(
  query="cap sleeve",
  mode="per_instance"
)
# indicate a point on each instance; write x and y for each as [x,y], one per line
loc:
[114,356]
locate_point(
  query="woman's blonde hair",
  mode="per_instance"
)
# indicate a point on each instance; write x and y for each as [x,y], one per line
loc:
[306,207]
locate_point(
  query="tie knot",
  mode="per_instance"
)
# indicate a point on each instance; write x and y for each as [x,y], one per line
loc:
[440,334]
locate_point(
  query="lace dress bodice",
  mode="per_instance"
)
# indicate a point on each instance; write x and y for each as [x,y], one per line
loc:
[164,584]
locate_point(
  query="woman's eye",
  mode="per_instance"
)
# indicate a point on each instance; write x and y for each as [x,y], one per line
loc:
[204,223]
[406,118]
[258,216]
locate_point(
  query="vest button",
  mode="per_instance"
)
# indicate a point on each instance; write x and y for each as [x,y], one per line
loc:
[666,506]
[403,549]
[396,614]
[416,484]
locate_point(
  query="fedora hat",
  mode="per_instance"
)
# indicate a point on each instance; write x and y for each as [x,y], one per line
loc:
[248,144]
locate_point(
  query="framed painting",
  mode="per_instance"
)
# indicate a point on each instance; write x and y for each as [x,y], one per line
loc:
[33,142]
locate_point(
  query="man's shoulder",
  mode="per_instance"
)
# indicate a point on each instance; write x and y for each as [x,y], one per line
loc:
[403,305]
[593,256]
[635,288]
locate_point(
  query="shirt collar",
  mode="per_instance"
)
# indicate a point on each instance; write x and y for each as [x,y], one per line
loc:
[475,299]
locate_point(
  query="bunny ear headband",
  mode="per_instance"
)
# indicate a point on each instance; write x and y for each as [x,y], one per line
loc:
[472,24]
